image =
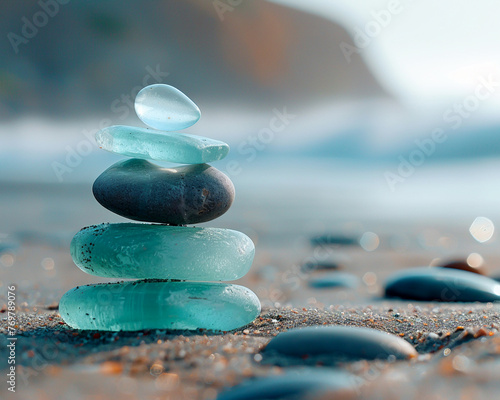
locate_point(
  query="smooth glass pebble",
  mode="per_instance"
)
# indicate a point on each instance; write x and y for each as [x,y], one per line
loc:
[166,108]
[133,306]
[143,251]
[335,343]
[294,384]
[442,284]
[162,146]
[142,191]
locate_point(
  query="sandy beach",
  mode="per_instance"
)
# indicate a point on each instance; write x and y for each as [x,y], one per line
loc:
[456,342]
[353,151]
[456,345]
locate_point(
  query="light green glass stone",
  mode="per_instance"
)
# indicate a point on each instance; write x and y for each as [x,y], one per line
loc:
[133,306]
[149,251]
[166,108]
[162,146]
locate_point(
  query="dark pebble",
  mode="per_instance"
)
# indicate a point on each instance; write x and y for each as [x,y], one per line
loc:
[320,266]
[143,191]
[333,344]
[464,266]
[442,284]
[334,240]
[334,280]
[294,385]
[8,247]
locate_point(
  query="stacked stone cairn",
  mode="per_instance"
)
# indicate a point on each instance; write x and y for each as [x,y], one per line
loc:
[175,269]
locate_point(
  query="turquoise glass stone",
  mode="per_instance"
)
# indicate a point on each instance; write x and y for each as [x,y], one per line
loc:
[166,108]
[161,146]
[133,306]
[144,251]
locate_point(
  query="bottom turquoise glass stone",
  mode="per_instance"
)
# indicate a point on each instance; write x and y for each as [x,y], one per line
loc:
[139,305]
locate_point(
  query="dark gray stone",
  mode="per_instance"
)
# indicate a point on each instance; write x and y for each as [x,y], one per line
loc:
[333,344]
[143,191]
[293,385]
[442,284]
[312,266]
[334,240]
[464,266]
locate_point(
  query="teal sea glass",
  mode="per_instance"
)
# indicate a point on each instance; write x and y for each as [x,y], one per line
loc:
[144,251]
[132,306]
[166,108]
[161,146]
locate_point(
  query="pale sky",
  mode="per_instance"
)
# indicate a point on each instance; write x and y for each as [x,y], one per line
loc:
[430,51]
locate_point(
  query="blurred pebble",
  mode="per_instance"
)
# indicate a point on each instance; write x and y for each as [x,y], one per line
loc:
[464,266]
[319,266]
[294,385]
[330,239]
[442,284]
[8,247]
[334,280]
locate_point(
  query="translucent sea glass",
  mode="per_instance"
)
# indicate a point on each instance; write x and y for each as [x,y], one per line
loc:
[132,306]
[162,146]
[143,251]
[166,108]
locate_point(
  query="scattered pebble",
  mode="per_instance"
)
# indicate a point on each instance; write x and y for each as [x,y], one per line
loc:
[334,280]
[294,384]
[336,343]
[442,284]
[335,240]
[464,266]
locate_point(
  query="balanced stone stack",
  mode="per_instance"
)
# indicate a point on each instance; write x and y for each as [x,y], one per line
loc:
[176,268]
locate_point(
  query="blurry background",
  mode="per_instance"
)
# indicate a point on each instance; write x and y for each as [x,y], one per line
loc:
[388,109]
